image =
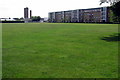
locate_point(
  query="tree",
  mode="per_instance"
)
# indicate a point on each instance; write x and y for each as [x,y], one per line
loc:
[17,19]
[116,10]
[36,18]
[115,7]
[112,2]
[21,18]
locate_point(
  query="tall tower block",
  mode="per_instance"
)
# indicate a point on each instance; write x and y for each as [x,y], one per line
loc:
[30,14]
[26,13]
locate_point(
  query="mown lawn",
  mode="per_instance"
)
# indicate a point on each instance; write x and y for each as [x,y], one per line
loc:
[49,50]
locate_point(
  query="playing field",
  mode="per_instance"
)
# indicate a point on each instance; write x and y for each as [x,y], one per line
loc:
[47,50]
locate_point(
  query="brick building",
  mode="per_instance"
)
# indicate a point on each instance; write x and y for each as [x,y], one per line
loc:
[81,15]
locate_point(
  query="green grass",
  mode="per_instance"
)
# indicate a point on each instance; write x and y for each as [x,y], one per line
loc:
[54,50]
[0,51]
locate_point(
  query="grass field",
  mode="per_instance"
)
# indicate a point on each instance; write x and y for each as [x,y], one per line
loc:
[47,50]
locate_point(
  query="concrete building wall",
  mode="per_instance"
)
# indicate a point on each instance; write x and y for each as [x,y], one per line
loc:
[63,16]
[82,15]
[52,17]
[67,16]
[92,15]
[30,14]
[78,15]
[74,16]
[58,17]
[26,13]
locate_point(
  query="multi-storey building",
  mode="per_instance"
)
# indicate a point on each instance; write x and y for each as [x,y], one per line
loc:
[58,16]
[81,15]
[52,17]
[67,16]
[26,13]
[30,14]
[27,18]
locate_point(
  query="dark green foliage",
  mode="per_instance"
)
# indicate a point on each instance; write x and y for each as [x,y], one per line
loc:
[17,19]
[111,2]
[21,18]
[36,18]
[116,11]
[115,7]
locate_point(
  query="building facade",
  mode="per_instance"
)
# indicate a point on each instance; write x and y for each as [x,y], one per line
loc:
[30,14]
[27,18]
[81,15]
[26,13]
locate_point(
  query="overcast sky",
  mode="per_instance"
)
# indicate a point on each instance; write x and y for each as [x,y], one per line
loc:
[15,8]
